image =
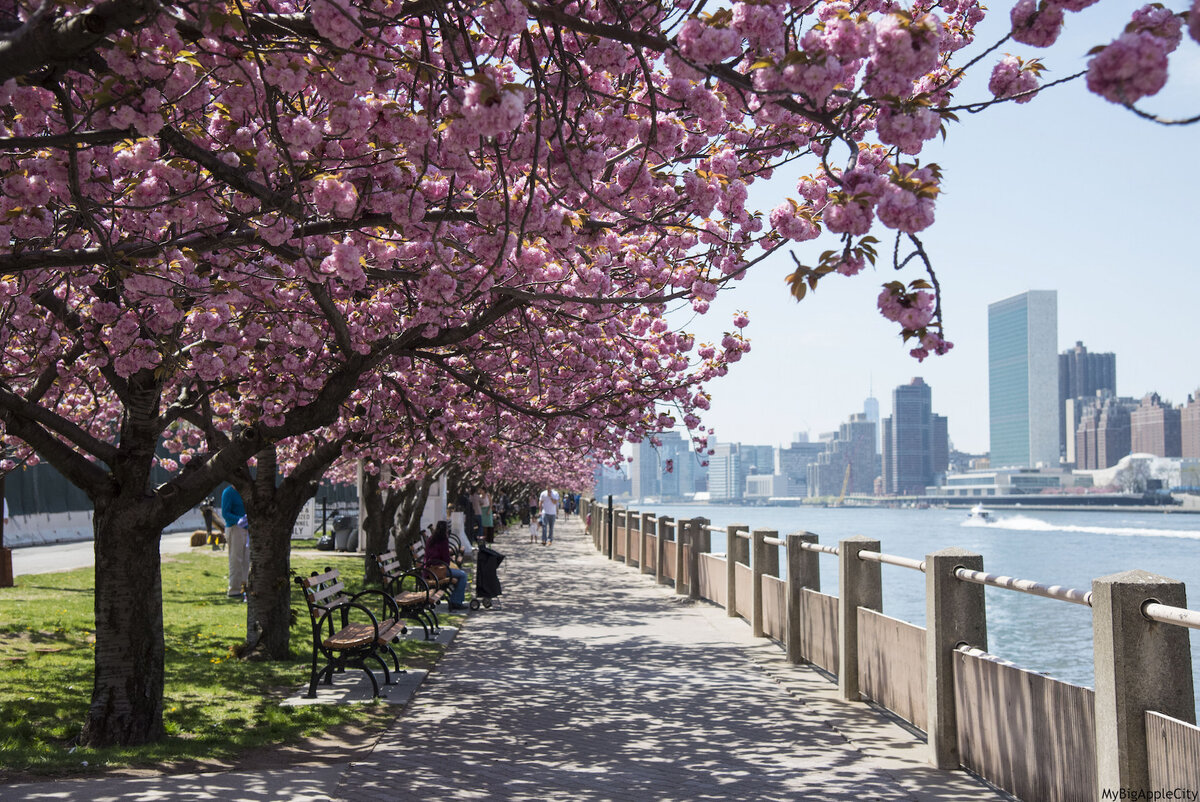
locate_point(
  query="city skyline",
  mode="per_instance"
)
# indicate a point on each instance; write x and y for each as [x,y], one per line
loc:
[1051,208]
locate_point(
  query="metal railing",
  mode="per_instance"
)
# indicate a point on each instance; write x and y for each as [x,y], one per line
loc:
[892,559]
[1166,614]
[1059,592]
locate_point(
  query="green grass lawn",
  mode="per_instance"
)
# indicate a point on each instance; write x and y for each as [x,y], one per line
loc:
[215,706]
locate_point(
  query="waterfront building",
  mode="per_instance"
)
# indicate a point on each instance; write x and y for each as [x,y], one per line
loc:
[1008,482]
[761,487]
[916,441]
[849,465]
[1103,435]
[1154,428]
[1189,427]
[726,474]
[1023,380]
[792,464]
[1080,376]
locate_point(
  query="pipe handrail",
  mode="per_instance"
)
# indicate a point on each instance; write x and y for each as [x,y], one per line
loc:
[1165,613]
[892,559]
[773,541]
[1026,586]
[818,547]
[741,534]
[721,529]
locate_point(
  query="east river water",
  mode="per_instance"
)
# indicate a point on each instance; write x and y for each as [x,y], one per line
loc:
[1069,548]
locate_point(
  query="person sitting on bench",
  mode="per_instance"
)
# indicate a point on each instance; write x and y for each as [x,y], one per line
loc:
[437,550]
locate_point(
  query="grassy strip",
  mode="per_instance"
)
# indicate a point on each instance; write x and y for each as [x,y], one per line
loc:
[215,706]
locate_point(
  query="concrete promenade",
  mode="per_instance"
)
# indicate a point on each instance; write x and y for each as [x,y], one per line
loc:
[586,681]
[591,682]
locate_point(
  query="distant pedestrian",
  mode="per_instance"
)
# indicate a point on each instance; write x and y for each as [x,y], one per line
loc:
[548,503]
[486,517]
[237,539]
[206,509]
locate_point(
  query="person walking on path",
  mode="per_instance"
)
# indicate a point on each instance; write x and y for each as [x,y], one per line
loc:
[237,539]
[548,502]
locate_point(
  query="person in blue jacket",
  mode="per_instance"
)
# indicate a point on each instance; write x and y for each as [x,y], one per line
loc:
[237,538]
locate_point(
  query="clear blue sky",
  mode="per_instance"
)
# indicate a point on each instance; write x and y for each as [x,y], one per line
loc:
[1068,192]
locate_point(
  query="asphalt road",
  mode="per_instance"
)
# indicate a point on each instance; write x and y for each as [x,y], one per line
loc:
[68,556]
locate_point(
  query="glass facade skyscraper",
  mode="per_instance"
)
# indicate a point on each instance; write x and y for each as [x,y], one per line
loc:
[1023,380]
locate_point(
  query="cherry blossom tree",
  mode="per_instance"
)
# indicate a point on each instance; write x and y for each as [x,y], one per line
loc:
[231,214]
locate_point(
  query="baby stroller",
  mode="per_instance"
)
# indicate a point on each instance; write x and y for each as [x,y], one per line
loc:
[487,584]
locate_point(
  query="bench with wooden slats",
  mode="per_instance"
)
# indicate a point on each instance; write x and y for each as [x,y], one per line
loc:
[416,592]
[349,630]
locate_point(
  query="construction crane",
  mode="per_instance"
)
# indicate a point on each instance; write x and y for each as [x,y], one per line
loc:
[845,485]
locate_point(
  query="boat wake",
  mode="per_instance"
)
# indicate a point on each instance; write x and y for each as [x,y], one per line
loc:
[1025,523]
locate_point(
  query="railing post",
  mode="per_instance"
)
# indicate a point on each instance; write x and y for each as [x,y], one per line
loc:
[733,555]
[1140,665]
[859,585]
[699,541]
[803,572]
[680,539]
[759,566]
[661,526]
[954,614]
[644,543]
[629,516]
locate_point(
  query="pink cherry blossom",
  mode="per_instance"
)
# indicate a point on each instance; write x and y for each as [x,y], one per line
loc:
[1132,67]
[1036,22]
[1010,78]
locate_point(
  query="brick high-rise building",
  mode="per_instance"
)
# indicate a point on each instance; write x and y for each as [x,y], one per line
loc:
[1154,428]
[1103,435]
[1080,375]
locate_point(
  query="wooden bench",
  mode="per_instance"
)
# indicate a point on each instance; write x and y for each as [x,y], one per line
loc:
[349,630]
[416,592]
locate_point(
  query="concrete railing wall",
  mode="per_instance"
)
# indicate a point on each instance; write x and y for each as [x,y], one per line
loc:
[1034,736]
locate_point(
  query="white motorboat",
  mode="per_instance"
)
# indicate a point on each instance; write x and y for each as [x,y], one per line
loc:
[980,513]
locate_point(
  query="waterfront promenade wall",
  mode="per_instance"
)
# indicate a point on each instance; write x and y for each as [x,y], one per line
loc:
[1041,739]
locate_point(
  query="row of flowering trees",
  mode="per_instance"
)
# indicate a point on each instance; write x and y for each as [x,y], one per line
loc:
[290,232]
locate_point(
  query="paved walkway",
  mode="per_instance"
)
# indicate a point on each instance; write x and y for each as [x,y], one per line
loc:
[586,681]
[591,682]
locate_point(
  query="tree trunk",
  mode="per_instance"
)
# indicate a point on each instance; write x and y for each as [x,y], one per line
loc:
[411,503]
[378,507]
[127,689]
[273,507]
[268,602]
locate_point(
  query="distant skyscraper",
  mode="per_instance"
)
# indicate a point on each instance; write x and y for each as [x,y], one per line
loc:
[1023,380]
[726,476]
[792,464]
[644,470]
[1189,426]
[849,463]
[916,442]
[665,471]
[1080,376]
[871,410]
